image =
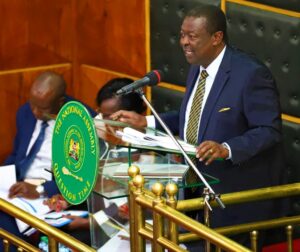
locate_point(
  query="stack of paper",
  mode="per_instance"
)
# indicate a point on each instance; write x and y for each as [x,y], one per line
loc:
[34,207]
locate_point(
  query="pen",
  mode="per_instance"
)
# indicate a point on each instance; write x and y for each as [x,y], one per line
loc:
[48,170]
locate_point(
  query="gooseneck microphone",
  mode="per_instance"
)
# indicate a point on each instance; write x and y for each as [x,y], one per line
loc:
[151,79]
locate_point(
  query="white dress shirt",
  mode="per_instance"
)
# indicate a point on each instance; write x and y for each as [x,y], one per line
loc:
[43,158]
[212,70]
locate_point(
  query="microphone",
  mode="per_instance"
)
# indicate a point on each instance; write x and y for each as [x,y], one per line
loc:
[151,79]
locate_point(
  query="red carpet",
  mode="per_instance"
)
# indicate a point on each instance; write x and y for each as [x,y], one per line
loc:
[282,247]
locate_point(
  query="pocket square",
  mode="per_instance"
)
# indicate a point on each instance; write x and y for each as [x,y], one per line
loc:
[224,109]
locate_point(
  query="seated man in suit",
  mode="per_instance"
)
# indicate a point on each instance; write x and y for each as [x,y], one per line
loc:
[33,142]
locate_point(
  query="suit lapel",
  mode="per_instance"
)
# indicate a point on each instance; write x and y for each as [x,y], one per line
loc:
[217,87]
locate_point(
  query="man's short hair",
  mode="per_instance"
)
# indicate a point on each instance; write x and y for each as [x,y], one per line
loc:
[216,20]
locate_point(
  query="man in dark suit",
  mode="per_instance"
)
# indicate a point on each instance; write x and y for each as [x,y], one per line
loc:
[47,96]
[239,119]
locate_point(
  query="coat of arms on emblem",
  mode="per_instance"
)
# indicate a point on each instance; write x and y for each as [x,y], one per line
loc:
[74,149]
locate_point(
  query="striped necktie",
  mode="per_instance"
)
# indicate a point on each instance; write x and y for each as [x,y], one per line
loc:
[193,122]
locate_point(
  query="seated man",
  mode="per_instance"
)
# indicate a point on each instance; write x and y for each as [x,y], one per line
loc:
[33,142]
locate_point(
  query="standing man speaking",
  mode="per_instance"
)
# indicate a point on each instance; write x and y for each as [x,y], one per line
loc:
[231,111]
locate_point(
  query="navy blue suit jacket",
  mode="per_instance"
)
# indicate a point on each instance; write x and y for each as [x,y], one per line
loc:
[26,121]
[251,125]
[25,126]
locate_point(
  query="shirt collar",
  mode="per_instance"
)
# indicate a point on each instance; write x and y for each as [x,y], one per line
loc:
[50,122]
[213,67]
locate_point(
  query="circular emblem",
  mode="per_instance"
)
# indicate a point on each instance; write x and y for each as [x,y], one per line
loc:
[75,152]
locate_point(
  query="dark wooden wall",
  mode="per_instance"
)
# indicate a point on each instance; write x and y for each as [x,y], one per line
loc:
[88,41]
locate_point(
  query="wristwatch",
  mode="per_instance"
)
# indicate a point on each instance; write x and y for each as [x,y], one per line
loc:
[40,189]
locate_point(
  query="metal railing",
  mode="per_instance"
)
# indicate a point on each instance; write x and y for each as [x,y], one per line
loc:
[167,218]
[159,237]
[167,210]
[55,235]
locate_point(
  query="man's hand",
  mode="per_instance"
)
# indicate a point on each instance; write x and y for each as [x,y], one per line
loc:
[23,189]
[130,117]
[77,222]
[210,150]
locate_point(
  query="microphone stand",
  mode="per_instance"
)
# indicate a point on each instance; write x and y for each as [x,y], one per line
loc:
[207,196]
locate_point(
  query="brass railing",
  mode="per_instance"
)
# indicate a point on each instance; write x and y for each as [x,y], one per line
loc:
[165,210]
[159,237]
[169,210]
[55,235]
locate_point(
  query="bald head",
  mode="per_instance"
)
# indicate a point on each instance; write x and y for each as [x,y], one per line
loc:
[49,83]
[47,95]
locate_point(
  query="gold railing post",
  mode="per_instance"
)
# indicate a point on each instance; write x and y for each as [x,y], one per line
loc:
[139,219]
[133,170]
[289,235]
[6,245]
[218,249]
[52,245]
[158,223]
[253,238]
[172,190]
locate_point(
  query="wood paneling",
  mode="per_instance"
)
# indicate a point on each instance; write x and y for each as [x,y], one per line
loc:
[92,79]
[35,32]
[51,26]
[14,91]
[13,29]
[108,34]
[111,35]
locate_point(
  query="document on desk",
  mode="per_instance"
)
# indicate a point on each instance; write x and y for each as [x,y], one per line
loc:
[7,176]
[136,137]
[34,207]
[57,219]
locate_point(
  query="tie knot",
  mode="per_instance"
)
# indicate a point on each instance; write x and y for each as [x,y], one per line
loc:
[203,74]
[44,124]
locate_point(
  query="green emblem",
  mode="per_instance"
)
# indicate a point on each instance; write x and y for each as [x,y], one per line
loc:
[75,152]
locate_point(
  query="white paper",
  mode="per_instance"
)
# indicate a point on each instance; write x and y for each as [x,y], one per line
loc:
[34,207]
[136,137]
[100,217]
[7,176]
